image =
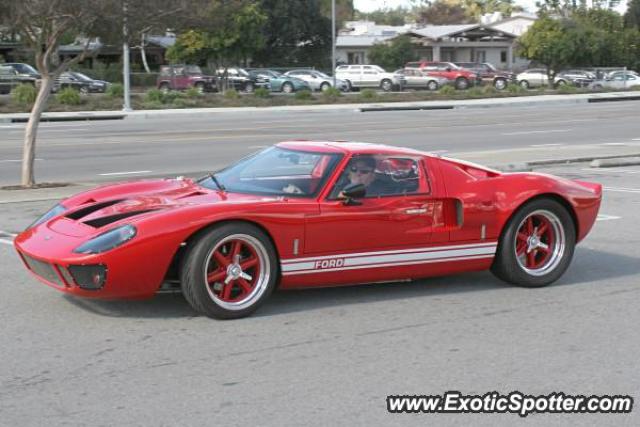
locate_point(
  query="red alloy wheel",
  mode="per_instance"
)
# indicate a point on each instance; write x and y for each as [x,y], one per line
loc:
[234,270]
[540,242]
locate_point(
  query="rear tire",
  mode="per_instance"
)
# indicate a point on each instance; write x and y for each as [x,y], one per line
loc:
[386,85]
[462,83]
[432,85]
[500,84]
[324,87]
[536,245]
[524,84]
[229,271]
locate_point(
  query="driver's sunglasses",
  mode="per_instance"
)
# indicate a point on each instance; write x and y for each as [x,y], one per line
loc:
[354,169]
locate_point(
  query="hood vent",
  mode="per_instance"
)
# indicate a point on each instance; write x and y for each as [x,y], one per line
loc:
[106,220]
[81,213]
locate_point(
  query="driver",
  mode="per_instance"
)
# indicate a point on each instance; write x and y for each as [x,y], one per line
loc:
[361,170]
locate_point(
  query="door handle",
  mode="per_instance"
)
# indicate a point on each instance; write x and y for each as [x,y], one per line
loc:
[416,211]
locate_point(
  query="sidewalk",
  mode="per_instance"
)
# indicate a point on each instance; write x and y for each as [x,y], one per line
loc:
[522,101]
[511,160]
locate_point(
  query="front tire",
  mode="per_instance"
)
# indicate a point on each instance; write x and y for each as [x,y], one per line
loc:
[537,245]
[386,85]
[287,88]
[432,85]
[524,84]
[229,271]
[500,84]
[325,87]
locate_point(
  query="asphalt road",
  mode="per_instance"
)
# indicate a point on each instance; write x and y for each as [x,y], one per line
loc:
[329,356]
[95,151]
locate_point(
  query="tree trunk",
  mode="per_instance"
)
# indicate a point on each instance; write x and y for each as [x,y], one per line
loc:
[143,53]
[29,148]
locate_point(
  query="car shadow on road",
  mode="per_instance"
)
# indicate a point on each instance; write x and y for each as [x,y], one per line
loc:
[589,265]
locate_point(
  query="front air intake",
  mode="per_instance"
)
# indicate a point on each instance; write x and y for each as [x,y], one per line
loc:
[110,219]
[81,213]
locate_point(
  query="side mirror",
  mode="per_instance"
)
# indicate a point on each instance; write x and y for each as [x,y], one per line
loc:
[352,192]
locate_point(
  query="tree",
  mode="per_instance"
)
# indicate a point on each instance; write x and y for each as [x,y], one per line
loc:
[395,54]
[550,42]
[229,31]
[295,33]
[443,12]
[632,16]
[385,16]
[41,24]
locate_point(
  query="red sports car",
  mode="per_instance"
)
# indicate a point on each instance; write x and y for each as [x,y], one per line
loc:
[309,214]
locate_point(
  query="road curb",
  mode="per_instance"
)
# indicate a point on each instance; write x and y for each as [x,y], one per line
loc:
[615,162]
[516,101]
[612,161]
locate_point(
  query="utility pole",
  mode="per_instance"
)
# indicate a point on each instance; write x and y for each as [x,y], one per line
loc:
[125,56]
[333,41]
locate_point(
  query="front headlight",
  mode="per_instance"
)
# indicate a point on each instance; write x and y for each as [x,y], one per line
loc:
[107,241]
[53,212]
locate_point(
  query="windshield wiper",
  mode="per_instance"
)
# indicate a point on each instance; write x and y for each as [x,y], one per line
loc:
[218,183]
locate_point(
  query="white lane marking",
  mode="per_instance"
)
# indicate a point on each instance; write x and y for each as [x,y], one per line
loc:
[530,132]
[255,147]
[623,190]
[611,170]
[6,242]
[616,144]
[546,145]
[17,160]
[636,139]
[124,173]
[603,217]
[439,151]
[51,130]
[7,233]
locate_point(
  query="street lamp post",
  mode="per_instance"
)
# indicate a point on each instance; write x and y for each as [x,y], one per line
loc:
[126,66]
[333,41]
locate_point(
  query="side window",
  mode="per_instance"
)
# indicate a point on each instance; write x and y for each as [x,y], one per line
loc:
[382,176]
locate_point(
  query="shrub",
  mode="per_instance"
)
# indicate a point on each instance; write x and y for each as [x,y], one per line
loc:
[489,90]
[515,88]
[567,89]
[262,92]
[368,94]
[183,103]
[69,96]
[154,95]
[24,94]
[152,105]
[475,92]
[192,92]
[304,95]
[332,94]
[447,90]
[115,90]
[172,96]
[231,94]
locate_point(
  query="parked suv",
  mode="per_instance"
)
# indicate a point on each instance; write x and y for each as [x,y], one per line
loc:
[240,79]
[181,77]
[368,76]
[10,78]
[490,74]
[461,78]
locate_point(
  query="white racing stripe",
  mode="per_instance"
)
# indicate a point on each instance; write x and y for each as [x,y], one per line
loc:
[342,262]
[124,173]
[622,190]
[604,217]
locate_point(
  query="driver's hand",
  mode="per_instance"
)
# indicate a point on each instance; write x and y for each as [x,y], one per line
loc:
[292,189]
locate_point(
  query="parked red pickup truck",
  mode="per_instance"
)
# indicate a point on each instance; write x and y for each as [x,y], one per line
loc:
[461,78]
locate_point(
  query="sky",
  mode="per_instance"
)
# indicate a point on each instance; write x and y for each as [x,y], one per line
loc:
[370,5]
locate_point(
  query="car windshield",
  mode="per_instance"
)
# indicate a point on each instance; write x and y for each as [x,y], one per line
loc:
[378,69]
[193,70]
[322,75]
[278,172]
[81,76]
[25,69]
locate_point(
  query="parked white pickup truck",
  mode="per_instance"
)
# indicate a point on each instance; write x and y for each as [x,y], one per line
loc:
[368,76]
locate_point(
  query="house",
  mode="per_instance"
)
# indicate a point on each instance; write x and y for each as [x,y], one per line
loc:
[493,40]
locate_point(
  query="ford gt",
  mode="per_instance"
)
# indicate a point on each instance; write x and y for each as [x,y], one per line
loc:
[309,214]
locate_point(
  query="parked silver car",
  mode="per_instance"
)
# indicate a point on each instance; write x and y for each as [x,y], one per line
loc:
[318,80]
[617,80]
[417,79]
[368,76]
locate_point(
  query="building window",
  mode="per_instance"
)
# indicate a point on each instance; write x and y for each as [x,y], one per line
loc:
[481,56]
[503,56]
[355,57]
